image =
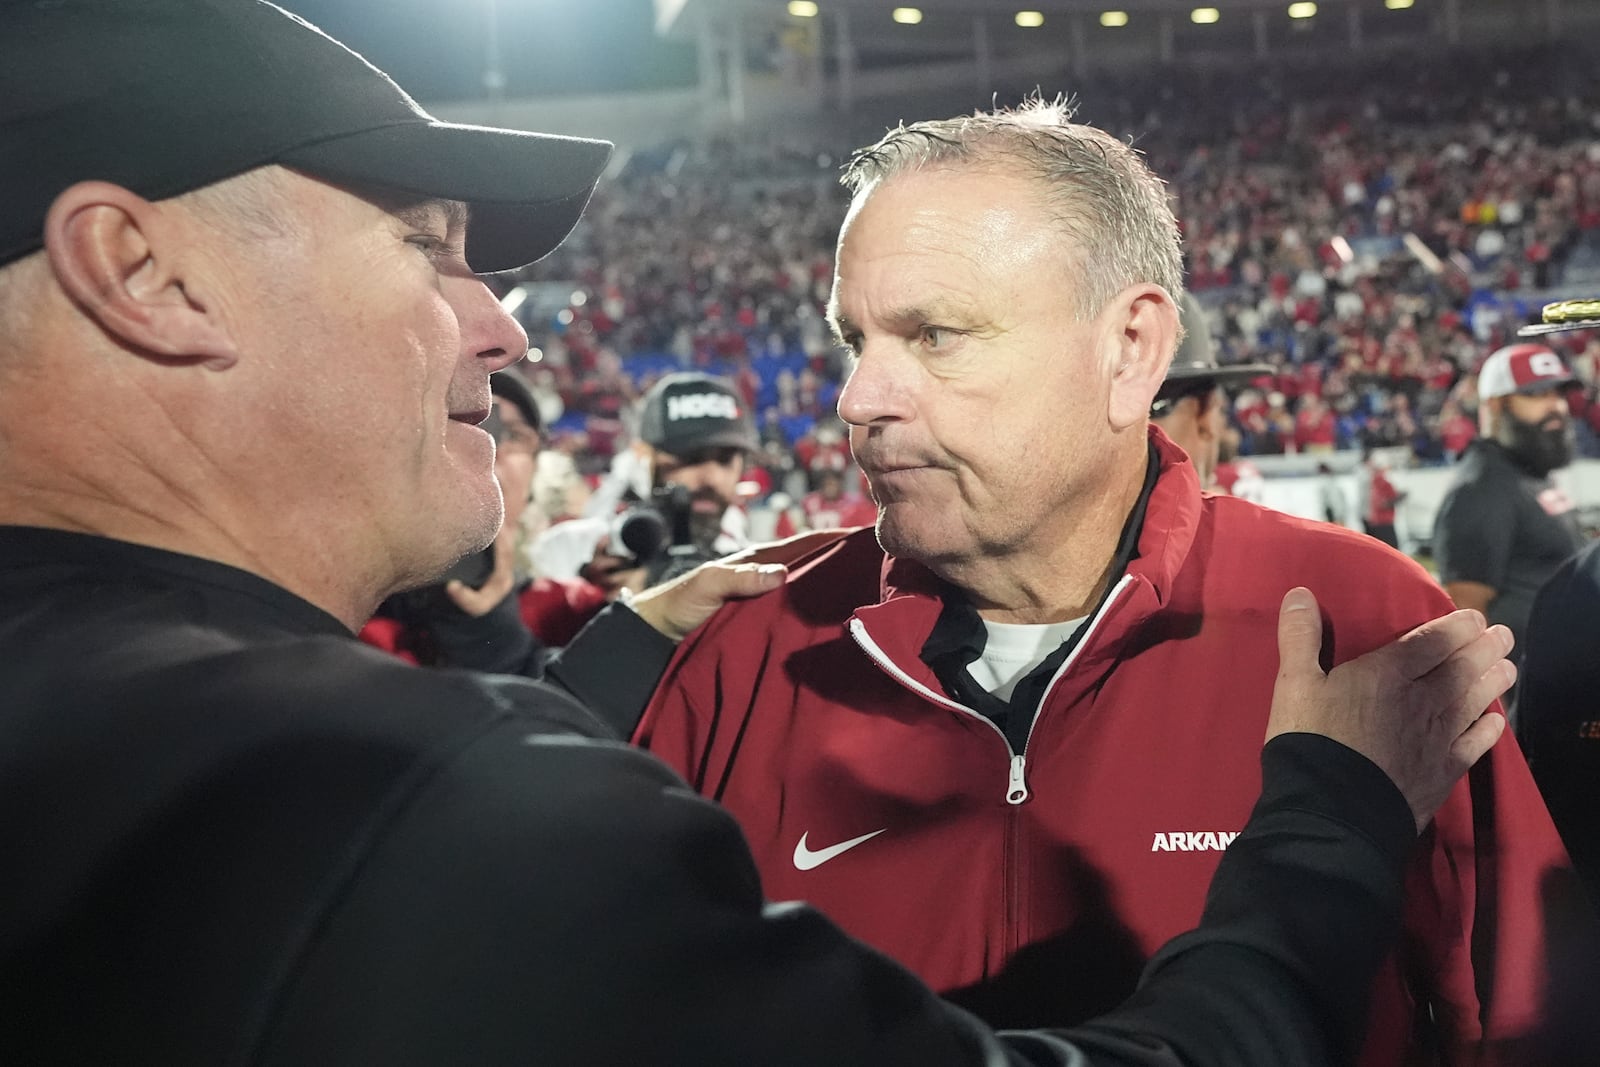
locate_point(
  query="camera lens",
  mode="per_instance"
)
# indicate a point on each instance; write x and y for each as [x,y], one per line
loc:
[641,533]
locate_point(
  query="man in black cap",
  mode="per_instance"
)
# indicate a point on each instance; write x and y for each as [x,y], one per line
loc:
[518,411]
[243,354]
[1191,407]
[694,436]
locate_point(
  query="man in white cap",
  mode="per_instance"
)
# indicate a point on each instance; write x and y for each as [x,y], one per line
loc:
[1504,527]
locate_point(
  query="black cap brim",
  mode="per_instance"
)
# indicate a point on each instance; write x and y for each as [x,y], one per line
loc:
[1232,372]
[526,191]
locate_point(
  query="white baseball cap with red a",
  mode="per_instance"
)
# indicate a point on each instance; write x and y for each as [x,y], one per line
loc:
[1522,369]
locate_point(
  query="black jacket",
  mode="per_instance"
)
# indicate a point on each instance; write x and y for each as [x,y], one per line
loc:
[230,834]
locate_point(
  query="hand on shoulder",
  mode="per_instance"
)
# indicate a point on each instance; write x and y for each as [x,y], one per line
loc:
[1416,707]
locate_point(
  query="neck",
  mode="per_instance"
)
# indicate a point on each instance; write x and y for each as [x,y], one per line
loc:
[78,488]
[178,529]
[1064,570]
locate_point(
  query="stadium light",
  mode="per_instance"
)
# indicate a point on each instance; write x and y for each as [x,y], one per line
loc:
[1030,19]
[1397,5]
[802,9]
[1113,19]
[1304,10]
[1204,16]
[907,16]
[514,299]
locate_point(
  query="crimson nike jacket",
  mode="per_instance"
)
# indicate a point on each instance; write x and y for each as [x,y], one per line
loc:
[1030,886]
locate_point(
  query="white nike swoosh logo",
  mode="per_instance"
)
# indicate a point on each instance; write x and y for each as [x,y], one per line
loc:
[805,859]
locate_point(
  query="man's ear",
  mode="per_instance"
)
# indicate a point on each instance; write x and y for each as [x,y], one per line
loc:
[119,260]
[1144,321]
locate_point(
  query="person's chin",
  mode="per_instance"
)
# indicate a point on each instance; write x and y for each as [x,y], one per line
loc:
[906,535]
[472,509]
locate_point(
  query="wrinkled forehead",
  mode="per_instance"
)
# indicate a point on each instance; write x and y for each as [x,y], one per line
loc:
[938,232]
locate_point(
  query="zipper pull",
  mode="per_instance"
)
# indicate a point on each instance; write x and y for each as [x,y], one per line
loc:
[1016,789]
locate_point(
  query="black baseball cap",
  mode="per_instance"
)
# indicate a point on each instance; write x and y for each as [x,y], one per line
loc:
[166,96]
[690,412]
[511,385]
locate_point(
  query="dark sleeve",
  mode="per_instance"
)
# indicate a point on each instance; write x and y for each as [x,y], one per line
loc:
[497,642]
[1472,536]
[564,902]
[1557,715]
[613,665]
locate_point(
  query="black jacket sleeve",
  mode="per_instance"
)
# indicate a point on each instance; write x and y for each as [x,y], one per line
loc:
[551,900]
[1557,716]
[496,642]
[612,666]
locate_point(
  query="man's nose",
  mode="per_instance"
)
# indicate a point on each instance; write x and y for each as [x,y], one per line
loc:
[873,392]
[488,331]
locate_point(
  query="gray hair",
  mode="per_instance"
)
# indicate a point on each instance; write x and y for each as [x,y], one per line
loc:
[1105,199]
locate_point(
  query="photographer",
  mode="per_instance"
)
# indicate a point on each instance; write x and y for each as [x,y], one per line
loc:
[668,503]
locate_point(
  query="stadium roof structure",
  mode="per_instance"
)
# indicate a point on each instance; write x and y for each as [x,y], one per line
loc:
[843,40]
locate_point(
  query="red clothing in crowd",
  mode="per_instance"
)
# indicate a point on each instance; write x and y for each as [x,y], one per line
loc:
[1456,433]
[1381,499]
[393,637]
[1011,878]
[820,513]
[1315,430]
[556,609]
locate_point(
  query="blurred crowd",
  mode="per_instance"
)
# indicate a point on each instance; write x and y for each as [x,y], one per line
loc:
[1371,234]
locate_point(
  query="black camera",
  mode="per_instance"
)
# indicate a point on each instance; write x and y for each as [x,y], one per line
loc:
[659,534]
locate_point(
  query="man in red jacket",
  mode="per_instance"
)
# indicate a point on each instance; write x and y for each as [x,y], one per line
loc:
[1006,736]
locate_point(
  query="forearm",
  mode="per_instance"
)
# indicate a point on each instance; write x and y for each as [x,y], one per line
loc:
[496,642]
[612,666]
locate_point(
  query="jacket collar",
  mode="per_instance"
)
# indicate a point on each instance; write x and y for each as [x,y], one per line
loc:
[912,597]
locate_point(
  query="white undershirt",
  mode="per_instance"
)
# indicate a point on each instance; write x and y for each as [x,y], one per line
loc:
[1014,649]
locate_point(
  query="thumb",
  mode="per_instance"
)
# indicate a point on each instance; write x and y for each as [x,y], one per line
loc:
[1299,635]
[681,605]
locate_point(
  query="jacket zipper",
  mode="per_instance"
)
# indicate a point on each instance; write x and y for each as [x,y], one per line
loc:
[889,667]
[1066,665]
[1016,777]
